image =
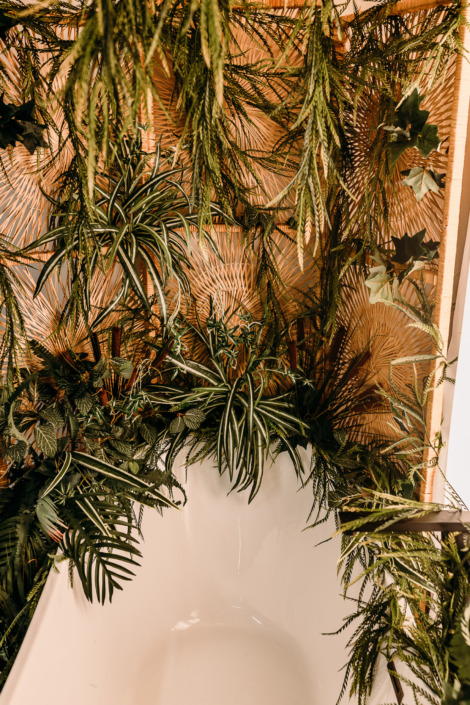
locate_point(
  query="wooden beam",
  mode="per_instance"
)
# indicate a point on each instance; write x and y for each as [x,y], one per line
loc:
[449,237]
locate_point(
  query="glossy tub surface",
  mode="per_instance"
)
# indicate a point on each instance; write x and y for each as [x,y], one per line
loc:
[228,608]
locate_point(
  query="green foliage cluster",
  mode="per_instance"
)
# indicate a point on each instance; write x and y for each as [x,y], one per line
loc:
[90,431]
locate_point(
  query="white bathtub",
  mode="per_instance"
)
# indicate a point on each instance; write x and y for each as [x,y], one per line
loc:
[228,608]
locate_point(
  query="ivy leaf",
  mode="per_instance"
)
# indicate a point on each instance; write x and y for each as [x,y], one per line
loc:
[194,418]
[407,247]
[378,282]
[438,178]
[409,115]
[431,248]
[421,181]
[411,129]
[32,136]
[17,124]
[428,140]
[6,23]
[46,439]
[400,141]
[177,425]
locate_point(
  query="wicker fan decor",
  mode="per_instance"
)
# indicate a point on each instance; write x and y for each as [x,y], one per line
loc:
[401,213]
[234,278]
[233,286]
[447,101]
[383,333]
[42,314]
[24,205]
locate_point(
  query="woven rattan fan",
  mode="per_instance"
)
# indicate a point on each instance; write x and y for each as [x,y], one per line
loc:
[24,207]
[384,333]
[438,213]
[231,284]
[405,214]
[42,314]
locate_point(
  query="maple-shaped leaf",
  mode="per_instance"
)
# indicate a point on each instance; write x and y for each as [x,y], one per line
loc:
[400,141]
[410,116]
[421,181]
[9,111]
[407,247]
[17,124]
[32,136]
[410,129]
[378,282]
[9,134]
[428,140]
[431,248]
[438,178]
[413,248]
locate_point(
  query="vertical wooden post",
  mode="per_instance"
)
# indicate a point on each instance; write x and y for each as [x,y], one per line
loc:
[448,247]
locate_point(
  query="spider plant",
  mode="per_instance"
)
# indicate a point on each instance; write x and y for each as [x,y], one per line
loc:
[232,409]
[140,219]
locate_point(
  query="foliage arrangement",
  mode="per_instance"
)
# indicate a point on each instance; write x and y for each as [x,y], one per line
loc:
[153,131]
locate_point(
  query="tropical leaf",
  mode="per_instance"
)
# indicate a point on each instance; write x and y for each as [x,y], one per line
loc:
[127,479]
[193,418]
[148,433]
[124,368]
[49,518]
[177,425]
[379,282]
[102,562]
[46,439]
[53,416]
[17,451]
